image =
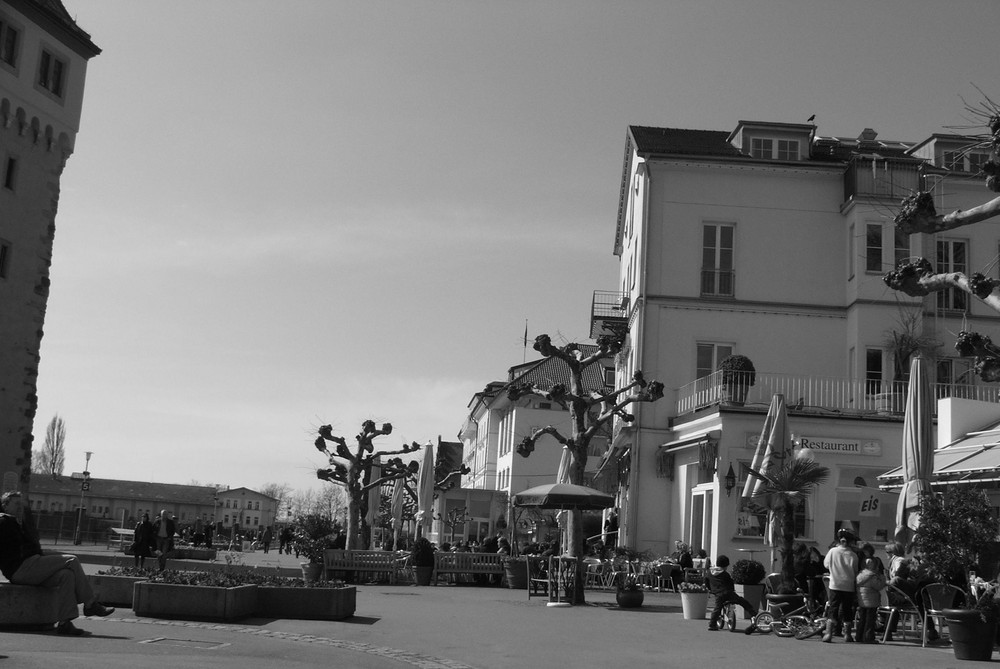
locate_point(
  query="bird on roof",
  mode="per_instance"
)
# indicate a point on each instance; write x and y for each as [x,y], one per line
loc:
[811,118]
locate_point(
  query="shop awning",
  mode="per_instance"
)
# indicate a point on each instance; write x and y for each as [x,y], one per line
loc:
[973,459]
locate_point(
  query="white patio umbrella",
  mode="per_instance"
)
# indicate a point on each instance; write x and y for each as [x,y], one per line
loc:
[562,476]
[918,451]
[425,489]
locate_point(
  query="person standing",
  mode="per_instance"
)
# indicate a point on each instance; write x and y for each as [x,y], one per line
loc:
[163,531]
[871,583]
[22,562]
[266,539]
[842,563]
[144,541]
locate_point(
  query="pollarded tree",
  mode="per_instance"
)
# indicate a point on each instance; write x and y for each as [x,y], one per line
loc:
[355,471]
[919,279]
[589,410]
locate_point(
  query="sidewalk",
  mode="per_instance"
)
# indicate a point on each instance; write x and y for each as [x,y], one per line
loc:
[448,626]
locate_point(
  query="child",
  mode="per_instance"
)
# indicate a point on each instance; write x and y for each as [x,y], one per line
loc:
[721,584]
[871,583]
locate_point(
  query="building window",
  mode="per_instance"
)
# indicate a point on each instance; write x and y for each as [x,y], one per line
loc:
[708,356]
[256,506]
[609,378]
[788,149]
[9,37]
[4,258]
[873,370]
[51,73]
[954,378]
[761,148]
[952,257]
[227,504]
[717,259]
[10,173]
[873,247]
[901,242]
[225,519]
[964,161]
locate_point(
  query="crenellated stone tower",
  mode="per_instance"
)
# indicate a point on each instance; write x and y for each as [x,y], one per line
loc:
[43,67]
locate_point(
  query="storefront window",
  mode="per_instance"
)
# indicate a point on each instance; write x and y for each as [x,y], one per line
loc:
[751,518]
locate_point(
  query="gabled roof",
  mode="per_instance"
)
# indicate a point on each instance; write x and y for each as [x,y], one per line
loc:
[548,371]
[116,489]
[680,141]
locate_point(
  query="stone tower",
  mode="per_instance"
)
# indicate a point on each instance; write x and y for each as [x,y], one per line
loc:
[43,67]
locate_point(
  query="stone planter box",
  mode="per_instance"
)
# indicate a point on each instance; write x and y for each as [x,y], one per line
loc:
[306,603]
[752,593]
[193,602]
[114,590]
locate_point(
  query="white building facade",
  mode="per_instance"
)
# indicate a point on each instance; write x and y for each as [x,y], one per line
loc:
[771,241]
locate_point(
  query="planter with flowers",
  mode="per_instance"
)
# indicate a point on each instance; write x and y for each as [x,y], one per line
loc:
[627,591]
[748,575]
[239,593]
[115,586]
[312,549]
[694,600]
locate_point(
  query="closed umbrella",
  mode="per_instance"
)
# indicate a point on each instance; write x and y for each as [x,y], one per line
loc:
[562,476]
[425,489]
[918,451]
[774,439]
[396,510]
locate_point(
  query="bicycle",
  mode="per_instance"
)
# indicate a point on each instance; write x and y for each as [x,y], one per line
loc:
[728,618]
[802,622]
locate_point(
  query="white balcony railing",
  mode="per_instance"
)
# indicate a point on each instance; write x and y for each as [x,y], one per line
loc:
[820,394]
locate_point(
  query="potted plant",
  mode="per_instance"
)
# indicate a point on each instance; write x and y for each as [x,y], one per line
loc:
[694,600]
[748,575]
[312,549]
[115,585]
[422,559]
[627,591]
[955,526]
[903,341]
[516,572]
[738,374]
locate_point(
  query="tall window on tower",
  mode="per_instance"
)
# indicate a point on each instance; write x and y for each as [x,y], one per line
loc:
[51,73]
[952,256]
[717,277]
[9,39]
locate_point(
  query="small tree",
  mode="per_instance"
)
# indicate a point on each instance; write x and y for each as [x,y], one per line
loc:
[954,527]
[354,471]
[905,340]
[589,411]
[782,490]
[51,459]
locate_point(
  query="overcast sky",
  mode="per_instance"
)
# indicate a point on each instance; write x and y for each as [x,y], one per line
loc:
[285,214]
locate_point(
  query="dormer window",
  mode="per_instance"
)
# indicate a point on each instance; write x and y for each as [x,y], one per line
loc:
[764,147]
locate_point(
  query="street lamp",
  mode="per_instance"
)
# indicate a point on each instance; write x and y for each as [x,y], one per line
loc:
[84,487]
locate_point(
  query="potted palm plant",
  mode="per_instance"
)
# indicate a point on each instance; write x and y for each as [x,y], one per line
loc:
[422,559]
[748,575]
[903,341]
[955,527]
[781,491]
[738,374]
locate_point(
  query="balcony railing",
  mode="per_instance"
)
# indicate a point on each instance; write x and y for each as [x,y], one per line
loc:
[608,313]
[821,394]
[718,283]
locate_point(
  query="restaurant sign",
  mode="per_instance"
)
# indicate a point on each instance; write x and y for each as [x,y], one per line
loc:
[867,447]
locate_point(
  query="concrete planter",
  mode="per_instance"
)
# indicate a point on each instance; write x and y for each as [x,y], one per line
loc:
[306,603]
[114,590]
[194,602]
[694,605]
[752,593]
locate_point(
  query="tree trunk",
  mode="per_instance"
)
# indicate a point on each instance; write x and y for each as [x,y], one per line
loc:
[353,520]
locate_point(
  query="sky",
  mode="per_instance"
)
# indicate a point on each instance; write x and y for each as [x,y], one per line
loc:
[286,214]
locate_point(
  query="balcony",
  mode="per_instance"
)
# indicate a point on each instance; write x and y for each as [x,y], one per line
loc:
[881,177]
[608,313]
[821,395]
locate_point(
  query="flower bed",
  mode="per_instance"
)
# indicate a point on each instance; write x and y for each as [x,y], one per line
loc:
[116,585]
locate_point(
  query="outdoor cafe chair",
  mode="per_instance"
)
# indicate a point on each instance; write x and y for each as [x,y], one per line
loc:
[538,579]
[900,608]
[937,597]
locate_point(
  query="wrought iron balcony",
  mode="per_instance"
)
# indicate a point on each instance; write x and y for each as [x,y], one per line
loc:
[608,313]
[821,395]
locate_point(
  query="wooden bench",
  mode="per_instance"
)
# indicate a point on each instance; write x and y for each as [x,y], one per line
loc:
[371,562]
[28,605]
[467,563]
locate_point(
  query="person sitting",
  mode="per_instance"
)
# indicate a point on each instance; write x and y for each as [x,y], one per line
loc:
[721,584]
[23,563]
